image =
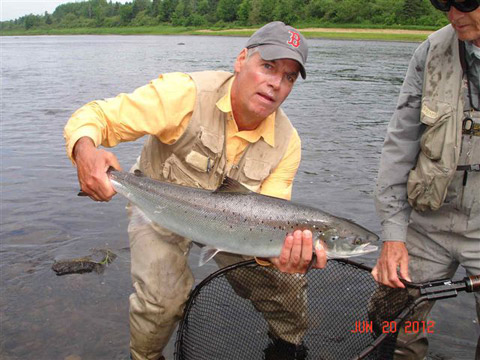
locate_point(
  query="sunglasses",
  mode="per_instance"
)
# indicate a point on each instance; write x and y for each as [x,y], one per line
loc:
[460,5]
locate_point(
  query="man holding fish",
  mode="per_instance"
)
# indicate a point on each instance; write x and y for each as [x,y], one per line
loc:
[202,126]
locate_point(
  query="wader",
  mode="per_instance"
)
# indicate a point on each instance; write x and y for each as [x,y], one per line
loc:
[440,240]
[160,273]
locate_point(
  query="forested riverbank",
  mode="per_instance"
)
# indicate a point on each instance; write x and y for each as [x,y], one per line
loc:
[242,16]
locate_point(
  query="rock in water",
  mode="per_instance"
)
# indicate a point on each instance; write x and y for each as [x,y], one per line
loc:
[96,261]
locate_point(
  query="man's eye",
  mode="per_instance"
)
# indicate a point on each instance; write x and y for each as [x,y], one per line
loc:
[267,66]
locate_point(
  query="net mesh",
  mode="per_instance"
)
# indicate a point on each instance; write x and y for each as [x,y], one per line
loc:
[247,311]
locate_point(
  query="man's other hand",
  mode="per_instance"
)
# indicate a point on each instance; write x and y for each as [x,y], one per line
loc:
[394,255]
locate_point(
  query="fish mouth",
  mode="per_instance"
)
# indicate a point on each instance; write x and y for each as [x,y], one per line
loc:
[367,248]
[358,251]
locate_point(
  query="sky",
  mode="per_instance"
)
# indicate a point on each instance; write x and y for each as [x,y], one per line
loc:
[13,9]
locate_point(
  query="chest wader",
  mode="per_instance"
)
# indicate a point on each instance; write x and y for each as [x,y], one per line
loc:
[160,273]
[444,187]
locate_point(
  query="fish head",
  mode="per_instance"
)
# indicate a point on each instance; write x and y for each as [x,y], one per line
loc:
[347,241]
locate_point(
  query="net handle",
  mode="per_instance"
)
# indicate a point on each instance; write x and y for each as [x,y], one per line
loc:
[473,283]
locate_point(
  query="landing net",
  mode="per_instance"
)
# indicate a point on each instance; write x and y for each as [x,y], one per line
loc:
[249,312]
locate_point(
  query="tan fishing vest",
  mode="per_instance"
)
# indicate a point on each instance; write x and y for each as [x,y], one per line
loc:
[442,113]
[198,157]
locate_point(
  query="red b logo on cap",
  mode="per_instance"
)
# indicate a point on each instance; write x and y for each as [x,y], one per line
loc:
[294,39]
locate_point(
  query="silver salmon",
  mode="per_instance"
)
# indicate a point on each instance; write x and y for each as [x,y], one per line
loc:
[236,220]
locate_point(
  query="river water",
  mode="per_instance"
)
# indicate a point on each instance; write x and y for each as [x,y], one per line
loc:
[341,112]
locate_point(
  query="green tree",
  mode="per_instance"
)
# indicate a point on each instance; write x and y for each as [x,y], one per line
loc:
[386,12]
[154,8]
[227,10]
[31,21]
[254,16]
[126,13]
[288,11]
[414,9]
[181,13]
[267,8]
[48,18]
[140,5]
[166,10]
[203,7]
[322,9]
[243,11]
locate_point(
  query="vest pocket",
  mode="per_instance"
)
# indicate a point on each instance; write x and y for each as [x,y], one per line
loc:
[433,139]
[427,186]
[256,170]
[176,172]
[199,162]
[211,140]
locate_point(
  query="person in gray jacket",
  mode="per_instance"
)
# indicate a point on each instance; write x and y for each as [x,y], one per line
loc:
[428,188]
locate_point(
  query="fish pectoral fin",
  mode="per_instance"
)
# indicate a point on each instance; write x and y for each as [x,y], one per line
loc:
[232,186]
[206,254]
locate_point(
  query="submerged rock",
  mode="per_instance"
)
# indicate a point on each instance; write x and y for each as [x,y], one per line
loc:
[97,261]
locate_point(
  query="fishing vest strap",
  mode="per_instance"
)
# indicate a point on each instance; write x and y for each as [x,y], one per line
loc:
[475,167]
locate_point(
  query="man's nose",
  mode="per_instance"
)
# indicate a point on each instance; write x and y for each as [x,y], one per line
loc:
[275,80]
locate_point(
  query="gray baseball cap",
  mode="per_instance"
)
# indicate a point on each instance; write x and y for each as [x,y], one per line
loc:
[279,41]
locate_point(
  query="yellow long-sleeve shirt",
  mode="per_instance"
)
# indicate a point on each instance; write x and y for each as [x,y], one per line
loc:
[163,108]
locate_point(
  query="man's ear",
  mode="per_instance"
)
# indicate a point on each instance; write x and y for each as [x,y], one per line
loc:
[241,59]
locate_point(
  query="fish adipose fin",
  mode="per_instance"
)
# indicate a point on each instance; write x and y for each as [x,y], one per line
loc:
[138,173]
[232,186]
[206,254]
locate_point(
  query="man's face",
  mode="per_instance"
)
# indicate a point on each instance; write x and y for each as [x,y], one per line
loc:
[261,86]
[467,25]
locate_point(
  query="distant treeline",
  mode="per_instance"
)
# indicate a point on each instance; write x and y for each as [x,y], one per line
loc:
[222,13]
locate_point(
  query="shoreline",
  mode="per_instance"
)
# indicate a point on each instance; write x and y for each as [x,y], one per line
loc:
[309,32]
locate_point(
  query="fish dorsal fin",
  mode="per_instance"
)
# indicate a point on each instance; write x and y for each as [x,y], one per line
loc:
[232,186]
[206,254]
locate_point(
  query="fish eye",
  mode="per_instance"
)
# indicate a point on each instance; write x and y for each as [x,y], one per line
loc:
[357,241]
[334,237]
